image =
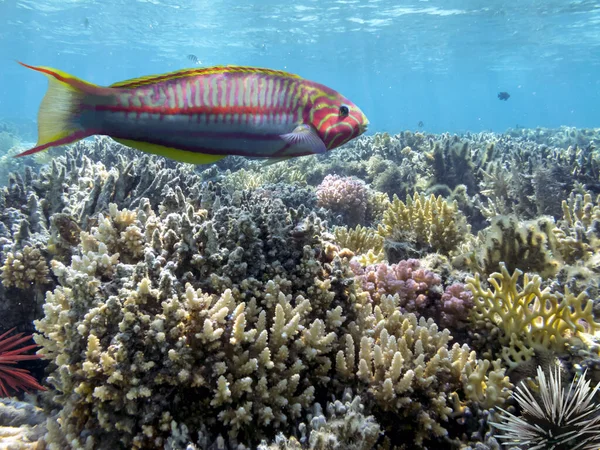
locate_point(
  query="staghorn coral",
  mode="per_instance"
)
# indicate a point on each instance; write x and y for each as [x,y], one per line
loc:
[529,319]
[423,224]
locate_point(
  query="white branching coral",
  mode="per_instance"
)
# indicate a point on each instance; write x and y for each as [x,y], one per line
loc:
[402,359]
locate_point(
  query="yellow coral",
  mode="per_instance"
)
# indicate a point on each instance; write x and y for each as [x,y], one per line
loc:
[360,240]
[531,246]
[25,268]
[428,221]
[578,235]
[529,318]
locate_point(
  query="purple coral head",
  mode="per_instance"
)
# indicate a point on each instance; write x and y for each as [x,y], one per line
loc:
[344,196]
[455,305]
[412,283]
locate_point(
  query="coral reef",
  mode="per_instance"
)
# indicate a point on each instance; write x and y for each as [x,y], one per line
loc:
[240,305]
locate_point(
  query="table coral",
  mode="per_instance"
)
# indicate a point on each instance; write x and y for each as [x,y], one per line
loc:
[529,318]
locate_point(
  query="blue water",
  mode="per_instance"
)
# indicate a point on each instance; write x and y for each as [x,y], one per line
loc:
[439,62]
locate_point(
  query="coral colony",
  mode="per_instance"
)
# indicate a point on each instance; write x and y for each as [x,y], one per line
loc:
[402,292]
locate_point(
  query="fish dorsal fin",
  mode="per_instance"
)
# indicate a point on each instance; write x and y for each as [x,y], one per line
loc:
[141,81]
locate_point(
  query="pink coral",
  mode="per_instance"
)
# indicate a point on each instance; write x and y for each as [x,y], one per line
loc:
[455,304]
[413,284]
[345,196]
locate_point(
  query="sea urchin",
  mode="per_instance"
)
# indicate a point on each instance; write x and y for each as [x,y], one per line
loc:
[565,419]
[14,378]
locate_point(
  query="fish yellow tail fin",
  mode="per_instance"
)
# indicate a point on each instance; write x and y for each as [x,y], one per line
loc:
[60,109]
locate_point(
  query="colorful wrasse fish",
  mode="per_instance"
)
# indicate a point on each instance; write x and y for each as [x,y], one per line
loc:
[200,115]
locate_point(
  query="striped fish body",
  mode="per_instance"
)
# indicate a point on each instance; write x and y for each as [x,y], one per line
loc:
[202,115]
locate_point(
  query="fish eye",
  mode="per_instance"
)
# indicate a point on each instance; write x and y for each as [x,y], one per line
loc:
[344,111]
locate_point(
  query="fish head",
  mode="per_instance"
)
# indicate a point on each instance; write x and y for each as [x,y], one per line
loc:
[337,120]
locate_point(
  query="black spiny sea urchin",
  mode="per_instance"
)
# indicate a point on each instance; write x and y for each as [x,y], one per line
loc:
[563,419]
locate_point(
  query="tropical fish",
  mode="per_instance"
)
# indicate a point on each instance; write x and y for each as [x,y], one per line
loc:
[200,115]
[193,58]
[503,96]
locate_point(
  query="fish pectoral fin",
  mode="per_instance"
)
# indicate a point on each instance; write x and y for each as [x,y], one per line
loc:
[172,153]
[304,137]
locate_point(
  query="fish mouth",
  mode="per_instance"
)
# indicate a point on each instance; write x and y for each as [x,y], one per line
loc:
[364,127]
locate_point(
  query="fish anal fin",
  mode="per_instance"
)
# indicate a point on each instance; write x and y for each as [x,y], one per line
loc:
[171,153]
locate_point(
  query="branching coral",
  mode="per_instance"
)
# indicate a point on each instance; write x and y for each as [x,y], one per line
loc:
[239,354]
[25,268]
[530,246]
[360,240]
[530,318]
[415,379]
[407,279]
[427,223]
[342,426]
[579,231]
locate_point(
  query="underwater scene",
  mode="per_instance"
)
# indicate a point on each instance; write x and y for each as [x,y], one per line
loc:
[341,225]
